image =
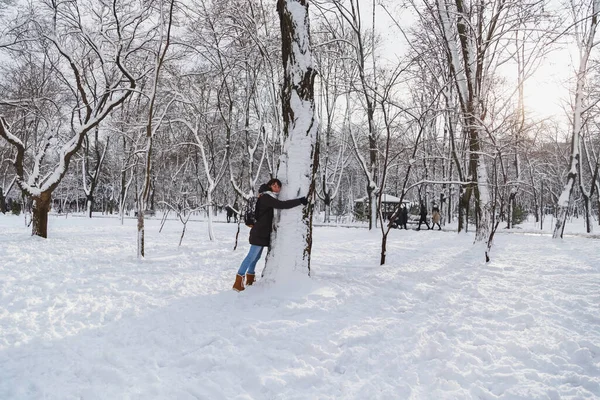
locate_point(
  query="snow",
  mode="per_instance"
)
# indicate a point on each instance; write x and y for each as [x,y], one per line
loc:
[82,318]
[563,200]
[300,48]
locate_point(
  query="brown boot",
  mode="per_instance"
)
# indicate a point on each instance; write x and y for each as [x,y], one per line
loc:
[238,286]
[250,279]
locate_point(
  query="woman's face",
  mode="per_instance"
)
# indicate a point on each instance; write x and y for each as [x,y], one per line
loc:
[275,188]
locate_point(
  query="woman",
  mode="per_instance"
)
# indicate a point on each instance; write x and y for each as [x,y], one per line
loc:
[423,218]
[436,217]
[260,234]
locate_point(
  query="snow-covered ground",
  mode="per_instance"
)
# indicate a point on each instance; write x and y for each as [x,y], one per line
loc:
[82,318]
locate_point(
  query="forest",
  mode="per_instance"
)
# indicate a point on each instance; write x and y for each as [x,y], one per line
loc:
[123,120]
[132,107]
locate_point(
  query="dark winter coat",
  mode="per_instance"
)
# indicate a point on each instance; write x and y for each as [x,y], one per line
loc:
[260,234]
[423,214]
[403,216]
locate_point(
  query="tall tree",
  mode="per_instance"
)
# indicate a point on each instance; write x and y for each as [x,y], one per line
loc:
[366,89]
[84,56]
[292,236]
[154,121]
[467,44]
[91,165]
[476,36]
[586,17]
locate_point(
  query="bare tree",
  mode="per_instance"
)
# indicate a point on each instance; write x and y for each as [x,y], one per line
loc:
[240,120]
[79,56]
[586,16]
[7,179]
[421,121]
[330,54]
[94,155]
[363,82]
[153,121]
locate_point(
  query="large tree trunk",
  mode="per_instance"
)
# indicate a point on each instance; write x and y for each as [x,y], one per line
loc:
[89,205]
[464,197]
[39,215]
[292,237]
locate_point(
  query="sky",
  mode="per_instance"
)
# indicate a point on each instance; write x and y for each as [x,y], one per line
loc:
[546,92]
[82,318]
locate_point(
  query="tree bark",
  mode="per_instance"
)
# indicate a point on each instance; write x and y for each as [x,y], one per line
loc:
[89,205]
[39,215]
[140,233]
[2,202]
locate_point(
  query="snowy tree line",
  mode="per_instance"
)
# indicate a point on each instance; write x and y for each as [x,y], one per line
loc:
[120,106]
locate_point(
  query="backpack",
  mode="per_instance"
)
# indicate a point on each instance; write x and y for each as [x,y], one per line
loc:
[251,212]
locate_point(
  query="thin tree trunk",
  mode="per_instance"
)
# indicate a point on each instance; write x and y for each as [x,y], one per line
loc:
[2,202]
[140,233]
[211,232]
[150,129]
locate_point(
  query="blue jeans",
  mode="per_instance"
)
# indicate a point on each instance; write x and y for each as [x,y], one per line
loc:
[249,263]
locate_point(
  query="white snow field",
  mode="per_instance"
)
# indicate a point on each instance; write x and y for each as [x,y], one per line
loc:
[82,318]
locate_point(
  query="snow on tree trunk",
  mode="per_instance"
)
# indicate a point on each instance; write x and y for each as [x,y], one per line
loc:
[89,207]
[291,240]
[565,197]
[372,209]
[483,197]
[211,232]
[466,59]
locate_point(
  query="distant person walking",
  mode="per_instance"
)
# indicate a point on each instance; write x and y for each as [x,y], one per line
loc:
[260,234]
[423,217]
[230,212]
[236,213]
[403,217]
[436,217]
